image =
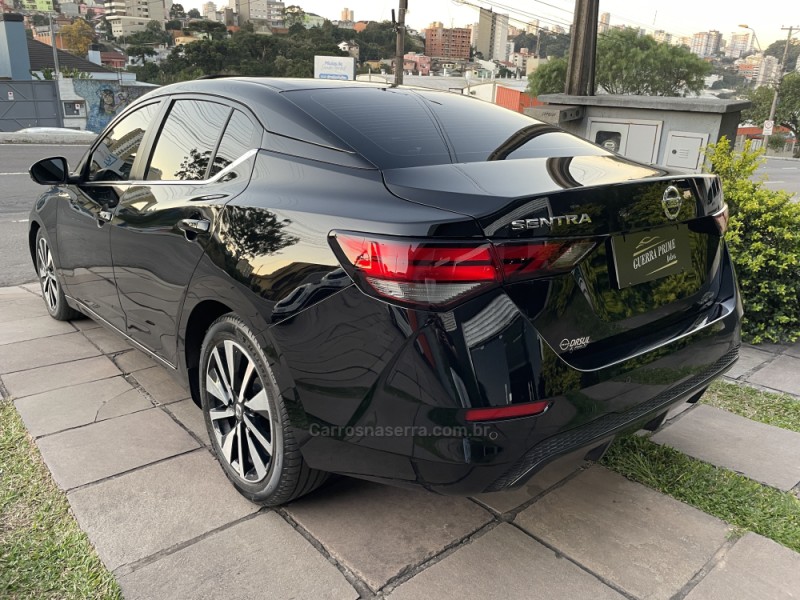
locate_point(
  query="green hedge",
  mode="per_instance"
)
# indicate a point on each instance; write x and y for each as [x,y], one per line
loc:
[764,240]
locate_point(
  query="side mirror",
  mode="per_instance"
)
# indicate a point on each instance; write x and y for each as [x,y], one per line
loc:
[50,171]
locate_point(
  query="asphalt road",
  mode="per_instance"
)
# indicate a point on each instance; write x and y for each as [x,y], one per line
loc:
[17,195]
[782,175]
[18,192]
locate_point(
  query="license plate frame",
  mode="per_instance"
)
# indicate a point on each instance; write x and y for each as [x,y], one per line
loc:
[649,255]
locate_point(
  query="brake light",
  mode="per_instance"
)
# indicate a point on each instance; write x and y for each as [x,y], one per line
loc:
[495,413]
[721,219]
[424,273]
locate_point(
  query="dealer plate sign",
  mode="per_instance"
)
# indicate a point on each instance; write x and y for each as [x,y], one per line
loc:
[650,255]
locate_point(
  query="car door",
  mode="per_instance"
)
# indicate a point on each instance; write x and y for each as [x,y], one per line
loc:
[202,157]
[84,215]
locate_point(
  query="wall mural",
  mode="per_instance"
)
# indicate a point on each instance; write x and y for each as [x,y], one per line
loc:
[104,100]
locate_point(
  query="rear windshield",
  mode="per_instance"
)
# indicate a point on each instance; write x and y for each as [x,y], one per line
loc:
[401,128]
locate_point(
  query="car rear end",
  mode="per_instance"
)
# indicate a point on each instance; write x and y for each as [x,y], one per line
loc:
[600,294]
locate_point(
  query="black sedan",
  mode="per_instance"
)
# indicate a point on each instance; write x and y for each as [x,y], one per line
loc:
[403,285]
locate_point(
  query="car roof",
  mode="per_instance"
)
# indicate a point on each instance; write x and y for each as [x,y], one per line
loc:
[263,96]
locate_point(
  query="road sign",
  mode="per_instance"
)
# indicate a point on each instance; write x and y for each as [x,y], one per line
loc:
[768,127]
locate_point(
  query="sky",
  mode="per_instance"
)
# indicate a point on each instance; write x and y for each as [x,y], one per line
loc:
[679,17]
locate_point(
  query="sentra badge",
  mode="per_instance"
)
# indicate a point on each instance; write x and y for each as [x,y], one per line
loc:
[551,221]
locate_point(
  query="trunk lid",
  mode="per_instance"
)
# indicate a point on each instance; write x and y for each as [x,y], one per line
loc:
[651,274]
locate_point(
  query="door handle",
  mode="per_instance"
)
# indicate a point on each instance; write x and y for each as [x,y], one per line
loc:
[194,225]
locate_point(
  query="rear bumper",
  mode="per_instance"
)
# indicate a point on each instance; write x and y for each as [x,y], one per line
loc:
[598,431]
[379,393]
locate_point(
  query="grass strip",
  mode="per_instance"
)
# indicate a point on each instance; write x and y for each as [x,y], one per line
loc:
[742,502]
[780,410]
[43,552]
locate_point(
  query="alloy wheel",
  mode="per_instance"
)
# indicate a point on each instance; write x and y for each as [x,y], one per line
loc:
[47,274]
[240,413]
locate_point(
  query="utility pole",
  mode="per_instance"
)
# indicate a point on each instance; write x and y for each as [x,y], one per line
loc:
[400,28]
[774,106]
[56,72]
[582,49]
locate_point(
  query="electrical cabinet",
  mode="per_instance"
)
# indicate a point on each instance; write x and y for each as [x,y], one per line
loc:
[636,139]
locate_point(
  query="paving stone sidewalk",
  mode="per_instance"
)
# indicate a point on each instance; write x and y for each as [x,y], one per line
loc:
[129,448]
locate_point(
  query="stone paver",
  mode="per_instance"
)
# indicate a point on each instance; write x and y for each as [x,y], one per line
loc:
[85,324]
[80,405]
[782,374]
[794,350]
[160,385]
[762,452]
[503,502]
[191,417]
[13,292]
[644,542]
[749,359]
[106,340]
[53,377]
[504,563]
[378,531]
[33,288]
[97,451]
[262,557]
[143,512]
[44,352]
[20,308]
[32,328]
[132,361]
[754,569]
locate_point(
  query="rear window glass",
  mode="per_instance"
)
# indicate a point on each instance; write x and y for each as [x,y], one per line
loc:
[480,130]
[401,128]
[390,128]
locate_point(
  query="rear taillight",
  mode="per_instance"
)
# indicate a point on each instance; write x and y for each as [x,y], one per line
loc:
[530,260]
[422,273]
[416,272]
[721,219]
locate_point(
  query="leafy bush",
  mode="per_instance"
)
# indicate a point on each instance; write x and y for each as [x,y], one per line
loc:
[764,240]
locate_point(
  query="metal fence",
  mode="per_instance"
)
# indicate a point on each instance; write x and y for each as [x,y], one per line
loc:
[28,104]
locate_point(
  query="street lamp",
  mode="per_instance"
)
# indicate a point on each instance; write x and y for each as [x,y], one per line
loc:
[755,37]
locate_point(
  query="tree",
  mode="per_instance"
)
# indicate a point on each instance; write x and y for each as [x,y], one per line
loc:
[549,78]
[776,49]
[177,12]
[78,37]
[214,29]
[194,14]
[293,15]
[628,63]
[140,52]
[173,25]
[787,113]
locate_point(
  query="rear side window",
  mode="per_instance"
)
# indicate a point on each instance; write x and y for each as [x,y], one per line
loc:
[237,139]
[112,159]
[187,141]
[390,128]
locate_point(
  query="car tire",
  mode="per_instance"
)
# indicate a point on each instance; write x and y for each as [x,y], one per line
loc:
[247,420]
[52,291]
